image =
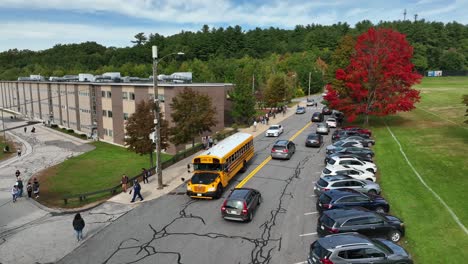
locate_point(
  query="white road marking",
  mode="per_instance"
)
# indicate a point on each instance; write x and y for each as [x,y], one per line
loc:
[454,216]
[311,213]
[308,234]
[303,262]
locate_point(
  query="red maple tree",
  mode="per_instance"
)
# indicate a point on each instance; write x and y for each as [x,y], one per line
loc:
[378,79]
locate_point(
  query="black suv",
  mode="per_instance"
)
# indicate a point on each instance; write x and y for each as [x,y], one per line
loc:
[360,220]
[355,248]
[345,198]
[241,204]
[361,152]
[317,117]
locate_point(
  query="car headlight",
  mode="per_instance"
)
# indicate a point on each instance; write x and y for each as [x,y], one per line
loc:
[212,189]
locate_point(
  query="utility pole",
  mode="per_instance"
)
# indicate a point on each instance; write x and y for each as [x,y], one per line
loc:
[310,73]
[404,15]
[415,17]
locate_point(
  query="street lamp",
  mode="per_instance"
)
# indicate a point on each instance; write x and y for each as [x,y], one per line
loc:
[157,128]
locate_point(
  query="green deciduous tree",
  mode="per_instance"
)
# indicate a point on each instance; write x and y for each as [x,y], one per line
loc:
[140,39]
[277,90]
[452,60]
[140,125]
[193,114]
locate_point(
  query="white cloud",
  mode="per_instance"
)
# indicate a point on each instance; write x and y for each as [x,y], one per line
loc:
[36,35]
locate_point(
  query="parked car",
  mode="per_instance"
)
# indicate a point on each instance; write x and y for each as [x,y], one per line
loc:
[274,131]
[317,117]
[343,144]
[342,134]
[364,152]
[331,121]
[322,128]
[353,163]
[353,172]
[326,110]
[346,198]
[314,140]
[363,221]
[358,129]
[355,248]
[366,142]
[283,149]
[300,110]
[345,155]
[310,102]
[332,182]
[241,204]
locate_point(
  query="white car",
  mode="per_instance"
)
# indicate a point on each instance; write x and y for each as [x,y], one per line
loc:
[274,131]
[310,102]
[322,128]
[331,122]
[352,163]
[345,170]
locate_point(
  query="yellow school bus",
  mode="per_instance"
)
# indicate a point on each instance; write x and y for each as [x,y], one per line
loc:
[215,167]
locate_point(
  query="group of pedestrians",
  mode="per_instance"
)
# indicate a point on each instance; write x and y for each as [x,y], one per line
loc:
[18,188]
[136,188]
[208,142]
[266,118]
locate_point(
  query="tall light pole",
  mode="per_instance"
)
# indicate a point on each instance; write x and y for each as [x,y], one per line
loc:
[157,121]
[310,73]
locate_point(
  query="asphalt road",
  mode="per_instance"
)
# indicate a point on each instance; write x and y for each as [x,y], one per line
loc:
[178,229]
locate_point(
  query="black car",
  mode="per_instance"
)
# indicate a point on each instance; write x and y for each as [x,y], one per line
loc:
[346,155]
[339,116]
[342,134]
[360,220]
[314,140]
[241,204]
[362,152]
[326,110]
[345,198]
[317,117]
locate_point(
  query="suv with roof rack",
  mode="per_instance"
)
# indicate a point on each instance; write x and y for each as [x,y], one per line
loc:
[360,220]
[333,182]
[356,248]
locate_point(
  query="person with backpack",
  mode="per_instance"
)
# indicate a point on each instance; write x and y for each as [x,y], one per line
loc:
[29,189]
[36,188]
[14,193]
[78,225]
[136,191]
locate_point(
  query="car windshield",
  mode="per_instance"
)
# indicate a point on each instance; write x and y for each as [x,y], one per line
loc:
[321,125]
[274,128]
[331,120]
[322,183]
[207,166]
[319,251]
[204,178]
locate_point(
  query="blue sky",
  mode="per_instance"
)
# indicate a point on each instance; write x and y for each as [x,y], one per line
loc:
[40,24]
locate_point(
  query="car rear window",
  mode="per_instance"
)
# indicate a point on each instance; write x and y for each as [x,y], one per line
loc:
[319,251]
[331,161]
[326,171]
[235,204]
[327,221]
[279,147]
[322,183]
[325,199]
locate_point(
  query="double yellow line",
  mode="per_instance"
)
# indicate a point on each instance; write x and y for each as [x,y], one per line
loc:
[259,167]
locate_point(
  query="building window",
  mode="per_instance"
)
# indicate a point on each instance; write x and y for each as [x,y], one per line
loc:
[125,95]
[132,96]
[109,94]
[110,133]
[125,116]
[104,113]
[103,94]
[109,113]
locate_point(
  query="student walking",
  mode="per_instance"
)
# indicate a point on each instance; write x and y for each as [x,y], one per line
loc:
[25,129]
[17,173]
[19,183]
[14,192]
[78,225]
[255,126]
[29,189]
[36,188]
[19,152]
[124,182]
[210,141]
[136,191]
[145,175]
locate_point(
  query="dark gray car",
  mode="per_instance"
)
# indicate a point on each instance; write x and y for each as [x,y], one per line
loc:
[332,182]
[355,248]
[241,204]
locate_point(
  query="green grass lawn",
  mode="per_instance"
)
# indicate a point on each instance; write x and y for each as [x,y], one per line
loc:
[98,169]
[438,151]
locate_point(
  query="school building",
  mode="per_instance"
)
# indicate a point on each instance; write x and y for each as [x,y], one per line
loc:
[100,110]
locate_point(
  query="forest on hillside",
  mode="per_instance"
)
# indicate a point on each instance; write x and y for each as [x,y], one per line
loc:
[234,55]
